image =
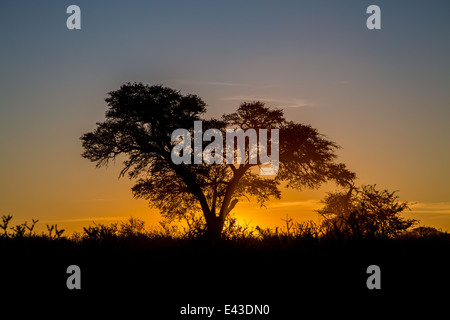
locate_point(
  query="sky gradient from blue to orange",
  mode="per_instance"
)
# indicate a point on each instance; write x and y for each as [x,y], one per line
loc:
[382,95]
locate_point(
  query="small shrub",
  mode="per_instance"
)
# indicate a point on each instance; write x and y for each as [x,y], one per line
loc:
[19,230]
[4,225]
[30,228]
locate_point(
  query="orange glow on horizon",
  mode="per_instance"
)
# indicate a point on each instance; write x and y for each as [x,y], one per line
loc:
[298,205]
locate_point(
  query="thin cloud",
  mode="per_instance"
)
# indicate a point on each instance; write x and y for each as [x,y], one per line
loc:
[285,103]
[313,204]
[341,83]
[432,208]
[86,219]
[211,83]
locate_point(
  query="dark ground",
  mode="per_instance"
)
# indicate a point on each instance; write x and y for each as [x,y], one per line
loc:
[154,278]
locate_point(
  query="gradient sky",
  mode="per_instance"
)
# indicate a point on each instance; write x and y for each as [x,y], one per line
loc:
[383,95]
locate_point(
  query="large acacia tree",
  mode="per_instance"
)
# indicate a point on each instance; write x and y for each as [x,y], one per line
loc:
[139,124]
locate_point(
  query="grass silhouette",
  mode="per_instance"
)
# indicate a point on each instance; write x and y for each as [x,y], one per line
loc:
[172,266]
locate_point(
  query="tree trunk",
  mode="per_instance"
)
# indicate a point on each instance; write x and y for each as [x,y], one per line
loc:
[214,228]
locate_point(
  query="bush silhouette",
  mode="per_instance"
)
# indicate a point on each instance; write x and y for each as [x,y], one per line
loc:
[364,213]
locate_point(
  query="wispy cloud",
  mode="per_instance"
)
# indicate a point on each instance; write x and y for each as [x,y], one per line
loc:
[341,83]
[211,83]
[432,208]
[285,103]
[311,204]
[227,84]
[282,103]
[86,219]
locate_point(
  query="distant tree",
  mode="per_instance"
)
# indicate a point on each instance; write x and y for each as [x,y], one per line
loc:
[139,124]
[426,232]
[364,212]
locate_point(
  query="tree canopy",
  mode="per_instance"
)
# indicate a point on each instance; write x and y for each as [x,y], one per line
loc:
[139,123]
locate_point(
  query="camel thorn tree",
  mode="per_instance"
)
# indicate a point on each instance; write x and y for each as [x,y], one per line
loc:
[140,123]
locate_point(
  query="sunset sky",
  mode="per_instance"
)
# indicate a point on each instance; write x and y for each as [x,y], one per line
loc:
[382,95]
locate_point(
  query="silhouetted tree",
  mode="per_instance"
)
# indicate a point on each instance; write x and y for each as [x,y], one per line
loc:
[364,212]
[139,124]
